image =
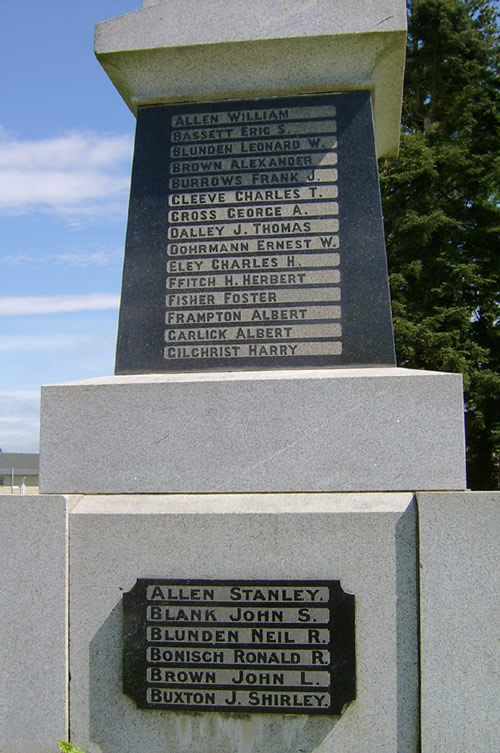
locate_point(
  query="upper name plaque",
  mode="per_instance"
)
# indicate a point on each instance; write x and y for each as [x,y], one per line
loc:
[255,238]
[284,647]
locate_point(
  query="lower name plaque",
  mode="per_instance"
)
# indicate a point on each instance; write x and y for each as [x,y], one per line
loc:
[284,647]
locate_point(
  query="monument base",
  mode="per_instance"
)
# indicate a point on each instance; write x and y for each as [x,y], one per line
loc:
[313,430]
[367,542]
[34,669]
[372,543]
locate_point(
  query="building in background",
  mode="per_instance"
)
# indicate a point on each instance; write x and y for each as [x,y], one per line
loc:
[18,472]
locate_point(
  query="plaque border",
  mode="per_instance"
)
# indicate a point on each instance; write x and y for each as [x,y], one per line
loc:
[342,668]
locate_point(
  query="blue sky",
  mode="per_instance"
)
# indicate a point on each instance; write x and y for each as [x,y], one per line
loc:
[66,143]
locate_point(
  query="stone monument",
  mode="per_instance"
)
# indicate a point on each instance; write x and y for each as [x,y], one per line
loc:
[255,266]
[240,552]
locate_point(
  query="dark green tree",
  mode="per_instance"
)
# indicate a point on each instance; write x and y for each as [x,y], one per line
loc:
[441,211]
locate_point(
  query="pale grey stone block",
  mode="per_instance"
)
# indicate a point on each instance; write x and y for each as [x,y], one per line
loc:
[179,50]
[459,538]
[33,623]
[367,541]
[384,429]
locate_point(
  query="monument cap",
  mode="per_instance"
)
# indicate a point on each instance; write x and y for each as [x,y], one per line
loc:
[163,53]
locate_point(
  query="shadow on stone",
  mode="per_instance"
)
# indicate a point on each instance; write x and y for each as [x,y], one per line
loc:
[407,650]
[117,726]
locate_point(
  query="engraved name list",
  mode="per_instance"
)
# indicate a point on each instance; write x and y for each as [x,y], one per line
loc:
[253,234]
[274,647]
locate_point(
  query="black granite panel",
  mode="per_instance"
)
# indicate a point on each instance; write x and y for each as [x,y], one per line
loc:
[283,647]
[255,238]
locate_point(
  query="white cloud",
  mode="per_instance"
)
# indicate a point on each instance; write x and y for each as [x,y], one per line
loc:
[13,343]
[18,260]
[64,152]
[72,258]
[56,304]
[22,437]
[74,343]
[86,258]
[19,420]
[9,395]
[72,175]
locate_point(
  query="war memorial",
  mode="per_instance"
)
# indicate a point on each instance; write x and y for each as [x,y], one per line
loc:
[255,537]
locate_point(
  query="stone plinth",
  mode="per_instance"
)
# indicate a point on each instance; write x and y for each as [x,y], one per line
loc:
[459,537]
[178,51]
[313,430]
[368,542]
[33,623]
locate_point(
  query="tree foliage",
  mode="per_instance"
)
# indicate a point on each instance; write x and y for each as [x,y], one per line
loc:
[441,210]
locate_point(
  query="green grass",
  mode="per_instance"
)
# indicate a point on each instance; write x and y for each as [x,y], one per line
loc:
[68,747]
